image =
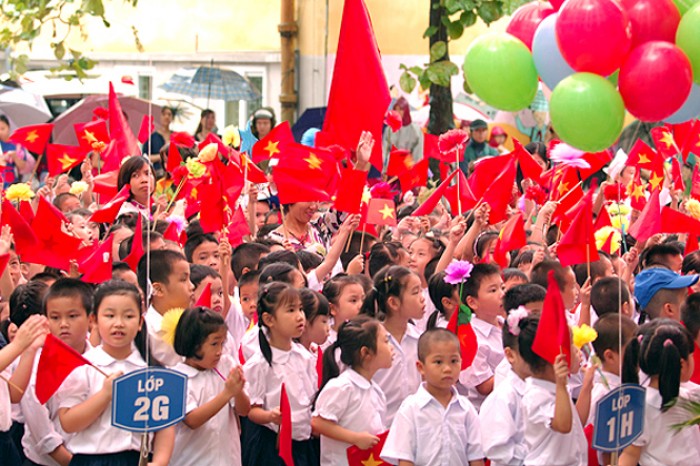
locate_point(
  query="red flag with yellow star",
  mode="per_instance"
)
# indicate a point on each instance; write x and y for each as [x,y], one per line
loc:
[92,135]
[400,160]
[512,236]
[658,173]
[349,198]
[33,138]
[62,158]
[381,212]
[578,245]
[369,457]
[641,155]
[649,221]
[306,174]
[272,145]
[691,145]
[415,176]
[664,141]
[635,191]
[253,173]
[55,248]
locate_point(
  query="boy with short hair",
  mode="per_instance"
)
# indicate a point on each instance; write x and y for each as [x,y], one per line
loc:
[661,292]
[436,425]
[67,305]
[169,286]
[203,249]
[606,295]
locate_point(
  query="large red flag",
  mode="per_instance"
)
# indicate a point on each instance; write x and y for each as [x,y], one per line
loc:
[369,457]
[108,213]
[512,236]
[578,246]
[664,141]
[641,155]
[56,248]
[273,145]
[33,138]
[92,135]
[414,177]
[359,95]
[56,362]
[552,337]
[285,435]
[62,158]
[24,238]
[123,143]
[649,221]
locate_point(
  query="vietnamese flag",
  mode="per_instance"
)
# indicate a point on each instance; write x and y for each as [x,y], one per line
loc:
[108,213]
[272,145]
[500,193]
[349,197]
[528,166]
[664,141]
[427,207]
[97,267]
[136,246]
[33,138]
[596,160]
[414,177]
[24,238]
[673,221]
[285,434]
[552,337]
[635,191]
[381,212]
[460,325]
[400,160]
[92,135]
[56,362]
[55,248]
[254,174]
[147,127]
[359,95]
[691,145]
[238,227]
[641,155]
[369,457]
[174,158]
[578,246]
[62,158]
[649,221]
[511,237]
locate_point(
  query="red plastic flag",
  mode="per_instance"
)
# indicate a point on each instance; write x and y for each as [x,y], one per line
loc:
[238,227]
[511,237]
[136,246]
[285,435]
[552,337]
[33,138]
[254,174]
[272,145]
[92,135]
[381,212]
[124,143]
[641,155]
[174,158]
[55,248]
[427,207]
[146,129]
[108,213]
[24,238]
[319,360]
[500,193]
[4,260]
[62,158]
[578,246]
[349,197]
[400,160]
[635,191]
[460,325]
[649,221]
[528,166]
[691,244]
[664,141]
[97,267]
[369,457]
[56,362]
[354,108]
[205,298]
[691,145]
[673,221]
[414,177]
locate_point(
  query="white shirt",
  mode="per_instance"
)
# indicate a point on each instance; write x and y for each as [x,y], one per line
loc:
[426,433]
[160,349]
[661,445]
[217,441]
[501,372]
[100,437]
[402,378]
[354,403]
[501,412]
[297,370]
[488,356]
[599,390]
[545,447]
[422,323]
[251,342]
[5,405]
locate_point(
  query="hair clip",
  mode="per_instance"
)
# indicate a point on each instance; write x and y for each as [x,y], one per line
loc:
[668,342]
[514,318]
[640,338]
[387,279]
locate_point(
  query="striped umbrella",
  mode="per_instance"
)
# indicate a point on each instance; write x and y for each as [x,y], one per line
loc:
[212,83]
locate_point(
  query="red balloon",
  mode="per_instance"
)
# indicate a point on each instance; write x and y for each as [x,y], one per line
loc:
[556,4]
[525,20]
[655,81]
[593,35]
[652,20]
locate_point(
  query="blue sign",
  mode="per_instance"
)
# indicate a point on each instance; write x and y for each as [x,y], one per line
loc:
[619,418]
[149,399]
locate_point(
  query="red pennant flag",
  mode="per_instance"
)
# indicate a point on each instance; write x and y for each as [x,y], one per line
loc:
[171,233]
[33,138]
[272,145]
[415,177]
[174,158]
[108,213]
[92,135]
[500,193]
[528,166]
[350,197]
[400,160]
[596,160]
[305,174]
[238,228]
[460,325]
[664,141]
[353,109]
[106,184]
[205,298]
[427,207]
[578,246]
[641,155]
[552,337]
[285,435]
[56,362]
[691,245]
[460,196]
[24,238]
[381,212]
[136,247]
[512,235]
[62,158]
[26,211]
[673,221]
[649,221]
[254,174]
[97,267]
[369,457]
[124,143]
[55,248]
[602,220]
[319,358]
[677,175]
[691,144]
[146,129]
[485,172]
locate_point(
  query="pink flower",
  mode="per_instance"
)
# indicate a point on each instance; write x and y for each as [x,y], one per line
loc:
[393,119]
[452,141]
[457,272]
[567,155]
[382,190]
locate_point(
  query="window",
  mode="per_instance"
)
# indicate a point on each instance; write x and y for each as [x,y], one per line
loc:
[145,87]
[257,82]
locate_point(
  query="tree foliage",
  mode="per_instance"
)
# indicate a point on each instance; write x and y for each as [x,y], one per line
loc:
[22,22]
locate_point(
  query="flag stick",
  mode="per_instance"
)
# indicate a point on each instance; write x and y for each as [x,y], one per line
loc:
[459,197]
[613,458]
[36,167]
[99,370]
[362,238]
[588,260]
[392,179]
[347,244]
[12,384]
[558,201]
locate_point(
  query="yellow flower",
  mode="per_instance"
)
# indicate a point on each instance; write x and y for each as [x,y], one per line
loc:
[169,324]
[693,207]
[208,153]
[19,192]
[231,137]
[583,335]
[601,236]
[78,187]
[619,216]
[195,168]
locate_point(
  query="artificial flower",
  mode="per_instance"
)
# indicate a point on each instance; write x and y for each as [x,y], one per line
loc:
[693,207]
[602,235]
[179,221]
[536,194]
[78,187]
[614,192]
[208,153]
[452,141]
[566,155]
[383,190]
[393,120]
[457,272]
[182,139]
[195,168]
[583,335]
[169,324]
[231,137]
[619,216]
[19,192]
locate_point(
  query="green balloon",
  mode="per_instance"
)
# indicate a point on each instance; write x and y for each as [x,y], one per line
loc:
[587,112]
[684,5]
[688,39]
[500,70]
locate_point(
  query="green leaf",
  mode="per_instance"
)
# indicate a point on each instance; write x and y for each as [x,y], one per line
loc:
[440,73]
[490,11]
[438,50]
[452,6]
[417,70]
[430,32]
[467,18]
[455,30]
[407,82]
[59,50]
[94,7]
[424,80]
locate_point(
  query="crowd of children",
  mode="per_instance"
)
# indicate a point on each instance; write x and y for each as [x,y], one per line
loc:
[357,336]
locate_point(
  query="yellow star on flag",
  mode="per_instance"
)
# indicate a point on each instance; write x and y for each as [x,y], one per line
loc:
[366,196]
[313,161]
[66,161]
[563,187]
[31,136]
[89,136]
[667,139]
[637,192]
[643,159]
[408,162]
[387,212]
[371,461]
[655,180]
[272,148]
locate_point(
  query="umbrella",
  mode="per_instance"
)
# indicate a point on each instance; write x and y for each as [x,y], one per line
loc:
[81,112]
[311,118]
[212,83]
[23,108]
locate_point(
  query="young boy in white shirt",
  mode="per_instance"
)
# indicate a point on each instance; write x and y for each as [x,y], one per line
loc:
[436,426]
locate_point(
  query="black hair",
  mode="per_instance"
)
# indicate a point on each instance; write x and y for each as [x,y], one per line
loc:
[280,256]
[70,288]
[46,276]
[524,257]
[161,267]
[691,263]
[511,273]
[521,295]
[5,327]
[664,344]
[433,240]
[430,268]
[659,254]
[26,300]
[279,272]
[690,314]
[308,260]
[540,271]
[194,228]
[608,328]
[480,271]
[598,269]
[122,288]
[528,330]
[314,304]
[4,119]
[61,198]
[273,296]
[606,294]
[382,255]
[249,278]
[193,329]
[194,241]
[482,241]
[205,113]
[538,149]
[390,281]
[246,256]
[147,237]
[434,335]
[355,242]
[200,272]
[438,289]
[266,229]
[128,168]
[120,266]
[334,287]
